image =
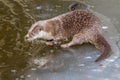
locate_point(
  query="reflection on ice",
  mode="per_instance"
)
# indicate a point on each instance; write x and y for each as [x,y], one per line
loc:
[88,57]
[97,70]
[39,7]
[40,62]
[33,69]
[13,71]
[104,27]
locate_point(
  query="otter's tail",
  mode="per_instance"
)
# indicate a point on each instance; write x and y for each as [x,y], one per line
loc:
[100,43]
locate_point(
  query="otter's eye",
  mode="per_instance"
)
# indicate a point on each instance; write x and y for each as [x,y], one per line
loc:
[40,29]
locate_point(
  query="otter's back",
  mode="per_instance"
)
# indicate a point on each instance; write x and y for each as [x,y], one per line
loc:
[75,21]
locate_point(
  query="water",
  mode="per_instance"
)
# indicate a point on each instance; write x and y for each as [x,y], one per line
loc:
[17,57]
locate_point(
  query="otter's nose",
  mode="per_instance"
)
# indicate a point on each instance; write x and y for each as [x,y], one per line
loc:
[26,37]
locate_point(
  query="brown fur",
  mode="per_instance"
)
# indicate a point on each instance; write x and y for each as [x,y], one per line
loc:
[101,44]
[82,26]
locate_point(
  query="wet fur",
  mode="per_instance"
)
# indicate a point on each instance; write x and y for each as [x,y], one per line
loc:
[82,26]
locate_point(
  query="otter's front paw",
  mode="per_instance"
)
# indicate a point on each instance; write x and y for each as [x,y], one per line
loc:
[64,46]
[49,43]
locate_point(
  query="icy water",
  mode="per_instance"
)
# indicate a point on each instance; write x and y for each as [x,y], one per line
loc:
[19,59]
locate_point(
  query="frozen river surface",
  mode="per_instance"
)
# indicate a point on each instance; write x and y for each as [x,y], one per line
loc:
[20,60]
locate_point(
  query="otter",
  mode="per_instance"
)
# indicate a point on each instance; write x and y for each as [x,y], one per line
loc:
[80,25]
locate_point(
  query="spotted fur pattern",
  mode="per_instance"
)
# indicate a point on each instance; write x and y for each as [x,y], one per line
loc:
[81,25]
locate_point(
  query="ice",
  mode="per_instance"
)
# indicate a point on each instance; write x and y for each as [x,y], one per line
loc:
[78,63]
[28,76]
[39,7]
[33,69]
[13,71]
[105,27]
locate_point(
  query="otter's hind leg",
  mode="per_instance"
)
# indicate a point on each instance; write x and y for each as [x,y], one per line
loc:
[77,39]
[100,43]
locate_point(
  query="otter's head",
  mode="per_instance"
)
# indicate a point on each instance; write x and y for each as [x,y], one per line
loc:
[39,29]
